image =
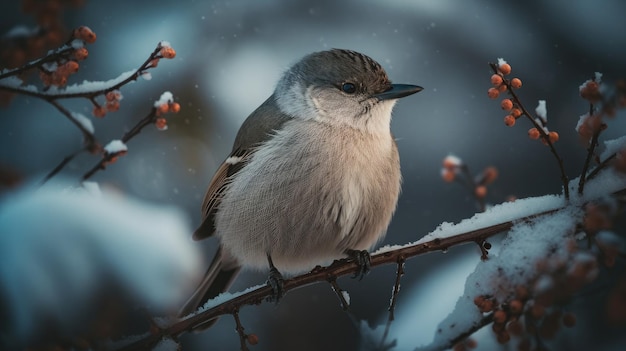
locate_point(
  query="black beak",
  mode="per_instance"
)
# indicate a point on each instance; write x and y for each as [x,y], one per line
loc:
[397,91]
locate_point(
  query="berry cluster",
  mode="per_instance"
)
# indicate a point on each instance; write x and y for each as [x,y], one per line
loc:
[113,96]
[56,73]
[535,313]
[167,107]
[453,169]
[513,106]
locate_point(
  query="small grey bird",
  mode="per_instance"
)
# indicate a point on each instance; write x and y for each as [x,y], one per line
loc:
[313,176]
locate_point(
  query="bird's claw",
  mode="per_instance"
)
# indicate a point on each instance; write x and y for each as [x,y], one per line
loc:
[362,259]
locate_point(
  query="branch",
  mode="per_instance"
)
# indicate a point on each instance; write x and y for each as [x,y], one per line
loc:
[78,91]
[151,118]
[336,269]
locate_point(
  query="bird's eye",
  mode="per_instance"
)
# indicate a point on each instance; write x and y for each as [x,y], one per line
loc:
[348,88]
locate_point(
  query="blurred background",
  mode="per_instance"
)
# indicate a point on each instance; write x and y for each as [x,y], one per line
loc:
[230,55]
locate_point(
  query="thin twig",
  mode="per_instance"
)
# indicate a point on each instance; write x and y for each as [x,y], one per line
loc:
[345,305]
[394,299]
[240,330]
[90,139]
[89,94]
[134,131]
[60,53]
[601,166]
[61,165]
[487,319]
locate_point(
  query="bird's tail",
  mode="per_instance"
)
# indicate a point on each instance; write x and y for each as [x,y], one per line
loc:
[219,276]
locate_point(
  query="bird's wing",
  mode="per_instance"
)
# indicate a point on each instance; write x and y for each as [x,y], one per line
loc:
[233,164]
[256,129]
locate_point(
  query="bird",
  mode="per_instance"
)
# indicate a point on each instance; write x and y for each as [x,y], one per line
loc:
[313,175]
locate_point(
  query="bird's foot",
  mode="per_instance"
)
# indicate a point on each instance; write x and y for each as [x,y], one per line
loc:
[276,281]
[363,261]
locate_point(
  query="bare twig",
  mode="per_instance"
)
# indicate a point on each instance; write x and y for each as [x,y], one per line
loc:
[88,94]
[601,166]
[134,131]
[61,165]
[394,299]
[345,305]
[240,330]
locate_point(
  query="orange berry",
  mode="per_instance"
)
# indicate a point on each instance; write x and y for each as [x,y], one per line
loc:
[252,339]
[516,83]
[113,105]
[516,112]
[59,79]
[591,91]
[496,80]
[113,95]
[71,67]
[167,52]
[521,292]
[553,136]
[493,93]
[509,121]
[499,316]
[448,175]
[163,108]
[506,104]
[480,191]
[504,68]
[154,63]
[161,123]
[479,300]
[80,54]
[502,88]
[175,107]
[533,133]
[85,33]
[99,111]
[516,306]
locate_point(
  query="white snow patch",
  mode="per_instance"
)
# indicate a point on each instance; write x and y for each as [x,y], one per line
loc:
[613,146]
[598,77]
[90,86]
[84,121]
[452,160]
[92,188]
[581,121]
[115,146]
[346,296]
[53,269]
[146,75]
[541,110]
[165,98]
[166,344]
[16,83]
